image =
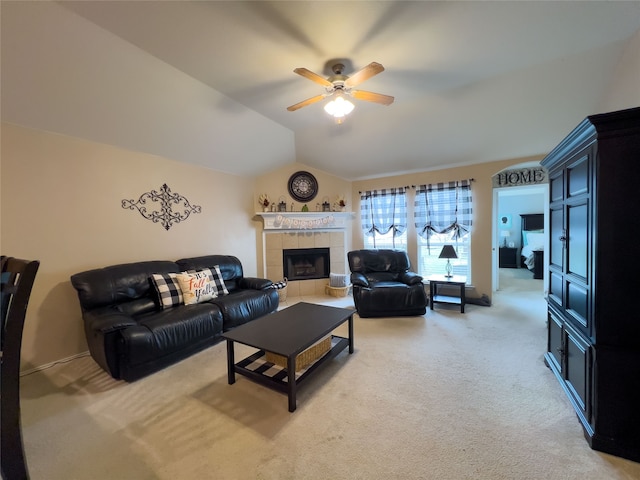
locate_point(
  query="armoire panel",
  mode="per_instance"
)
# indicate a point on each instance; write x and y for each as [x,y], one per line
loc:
[577,304]
[577,240]
[578,176]
[556,237]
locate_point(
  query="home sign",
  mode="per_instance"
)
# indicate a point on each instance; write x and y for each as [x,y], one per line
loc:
[522,176]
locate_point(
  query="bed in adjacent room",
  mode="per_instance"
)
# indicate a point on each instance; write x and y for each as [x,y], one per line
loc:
[532,243]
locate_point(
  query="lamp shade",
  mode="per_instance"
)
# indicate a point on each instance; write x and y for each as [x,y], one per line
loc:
[505,233]
[448,252]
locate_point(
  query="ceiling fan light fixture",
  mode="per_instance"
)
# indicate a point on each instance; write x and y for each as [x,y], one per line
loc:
[339,85]
[339,107]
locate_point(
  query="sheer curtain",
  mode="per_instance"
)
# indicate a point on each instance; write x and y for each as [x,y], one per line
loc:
[444,208]
[443,215]
[384,214]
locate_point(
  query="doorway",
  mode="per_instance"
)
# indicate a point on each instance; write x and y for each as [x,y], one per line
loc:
[508,204]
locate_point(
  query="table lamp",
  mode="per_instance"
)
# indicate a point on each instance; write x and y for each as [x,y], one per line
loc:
[505,234]
[448,252]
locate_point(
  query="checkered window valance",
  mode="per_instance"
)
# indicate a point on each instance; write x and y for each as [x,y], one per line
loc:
[443,208]
[384,210]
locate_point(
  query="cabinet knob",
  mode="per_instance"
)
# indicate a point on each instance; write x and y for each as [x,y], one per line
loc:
[560,351]
[563,237]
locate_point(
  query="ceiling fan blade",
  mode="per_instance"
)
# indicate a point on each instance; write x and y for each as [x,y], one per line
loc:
[314,77]
[306,102]
[364,74]
[372,97]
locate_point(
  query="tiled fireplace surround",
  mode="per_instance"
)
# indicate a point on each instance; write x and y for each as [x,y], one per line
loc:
[275,241]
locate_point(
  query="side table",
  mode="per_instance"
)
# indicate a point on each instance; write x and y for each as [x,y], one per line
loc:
[508,257]
[455,281]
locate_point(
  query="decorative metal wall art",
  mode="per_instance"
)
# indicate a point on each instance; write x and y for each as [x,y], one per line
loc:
[166,199]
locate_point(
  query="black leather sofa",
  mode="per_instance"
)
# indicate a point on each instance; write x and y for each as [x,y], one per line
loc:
[384,286]
[130,336]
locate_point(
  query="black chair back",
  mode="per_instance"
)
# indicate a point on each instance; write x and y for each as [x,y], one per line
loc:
[17,281]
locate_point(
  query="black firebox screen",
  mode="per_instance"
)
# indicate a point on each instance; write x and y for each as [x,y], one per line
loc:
[305,263]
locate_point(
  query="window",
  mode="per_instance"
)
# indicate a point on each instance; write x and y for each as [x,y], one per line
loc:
[443,215]
[389,240]
[384,218]
[428,253]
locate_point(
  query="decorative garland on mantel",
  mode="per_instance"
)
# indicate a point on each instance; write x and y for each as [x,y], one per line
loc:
[281,221]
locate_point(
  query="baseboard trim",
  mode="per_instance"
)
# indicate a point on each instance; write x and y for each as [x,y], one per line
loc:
[51,364]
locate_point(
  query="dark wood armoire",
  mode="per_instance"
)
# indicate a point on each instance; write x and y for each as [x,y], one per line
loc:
[594,277]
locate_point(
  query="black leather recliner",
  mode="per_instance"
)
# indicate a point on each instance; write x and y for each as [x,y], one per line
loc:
[384,286]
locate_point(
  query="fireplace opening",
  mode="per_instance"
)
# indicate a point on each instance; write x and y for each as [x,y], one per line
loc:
[305,263]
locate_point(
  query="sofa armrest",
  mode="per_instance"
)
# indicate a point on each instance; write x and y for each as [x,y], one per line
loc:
[410,278]
[106,320]
[102,329]
[358,279]
[254,283]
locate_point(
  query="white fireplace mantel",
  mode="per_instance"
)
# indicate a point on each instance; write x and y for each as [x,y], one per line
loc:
[305,220]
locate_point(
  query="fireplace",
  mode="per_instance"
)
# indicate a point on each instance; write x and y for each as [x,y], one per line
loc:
[305,263]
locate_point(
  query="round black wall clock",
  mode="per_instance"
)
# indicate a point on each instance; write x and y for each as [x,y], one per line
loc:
[303,186]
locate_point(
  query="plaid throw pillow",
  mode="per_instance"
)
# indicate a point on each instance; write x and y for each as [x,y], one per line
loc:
[279,285]
[218,281]
[168,291]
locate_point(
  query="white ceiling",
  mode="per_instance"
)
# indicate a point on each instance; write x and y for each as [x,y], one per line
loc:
[473,81]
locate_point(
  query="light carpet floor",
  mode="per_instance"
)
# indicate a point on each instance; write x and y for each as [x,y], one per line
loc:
[441,396]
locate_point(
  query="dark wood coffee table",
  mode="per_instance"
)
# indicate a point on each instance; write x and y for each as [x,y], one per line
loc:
[287,332]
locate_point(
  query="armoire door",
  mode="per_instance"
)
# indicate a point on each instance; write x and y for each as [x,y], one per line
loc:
[557,237]
[578,227]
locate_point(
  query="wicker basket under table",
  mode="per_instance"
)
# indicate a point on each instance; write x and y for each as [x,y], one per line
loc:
[304,359]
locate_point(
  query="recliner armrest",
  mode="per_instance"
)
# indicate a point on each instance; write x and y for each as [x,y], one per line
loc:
[359,280]
[105,320]
[410,278]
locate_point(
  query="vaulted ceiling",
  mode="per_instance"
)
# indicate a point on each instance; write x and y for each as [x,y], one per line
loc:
[473,81]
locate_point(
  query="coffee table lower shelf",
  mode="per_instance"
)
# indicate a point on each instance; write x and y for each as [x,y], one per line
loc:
[273,376]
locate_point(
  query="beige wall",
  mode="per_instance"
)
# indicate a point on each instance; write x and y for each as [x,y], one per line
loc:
[483,221]
[624,91]
[61,204]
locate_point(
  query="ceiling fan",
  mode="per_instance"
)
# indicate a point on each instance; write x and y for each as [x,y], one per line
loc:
[340,84]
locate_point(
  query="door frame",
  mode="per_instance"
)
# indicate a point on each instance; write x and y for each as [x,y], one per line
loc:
[495,240]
